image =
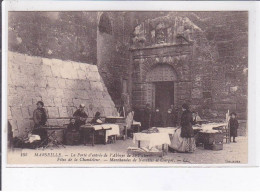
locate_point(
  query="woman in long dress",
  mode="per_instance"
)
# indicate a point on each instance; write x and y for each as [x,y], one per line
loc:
[183,138]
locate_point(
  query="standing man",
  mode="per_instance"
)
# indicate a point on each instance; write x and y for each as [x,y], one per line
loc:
[40,116]
[174,115]
[157,118]
[170,118]
[80,116]
[146,120]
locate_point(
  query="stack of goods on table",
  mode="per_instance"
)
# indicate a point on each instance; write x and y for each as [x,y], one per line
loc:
[151,130]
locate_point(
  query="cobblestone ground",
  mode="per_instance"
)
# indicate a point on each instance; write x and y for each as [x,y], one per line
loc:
[232,152]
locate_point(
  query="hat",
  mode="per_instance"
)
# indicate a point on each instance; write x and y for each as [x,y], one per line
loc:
[82,105]
[233,113]
[40,102]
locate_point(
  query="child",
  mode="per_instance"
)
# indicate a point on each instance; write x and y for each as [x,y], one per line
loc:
[233,125]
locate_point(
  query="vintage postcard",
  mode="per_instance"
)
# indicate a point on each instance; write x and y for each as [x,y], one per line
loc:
[127,88]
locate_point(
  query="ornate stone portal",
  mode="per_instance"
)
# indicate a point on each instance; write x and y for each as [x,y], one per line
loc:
[162,56]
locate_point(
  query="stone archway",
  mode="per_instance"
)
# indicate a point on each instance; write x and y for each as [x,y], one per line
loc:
[161,86]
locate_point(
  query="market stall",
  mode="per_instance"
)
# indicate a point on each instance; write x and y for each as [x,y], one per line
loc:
[157,143]
[95,131]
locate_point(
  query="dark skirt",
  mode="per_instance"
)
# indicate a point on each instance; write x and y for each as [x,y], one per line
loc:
[233,132]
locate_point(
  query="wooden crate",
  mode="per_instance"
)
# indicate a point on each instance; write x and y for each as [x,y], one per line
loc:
[211,138]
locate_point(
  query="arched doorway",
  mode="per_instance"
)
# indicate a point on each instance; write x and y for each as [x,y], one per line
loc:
[161,91]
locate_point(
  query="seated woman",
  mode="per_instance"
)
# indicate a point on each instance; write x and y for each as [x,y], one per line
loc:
[72,135]
[97,119]
[183,138]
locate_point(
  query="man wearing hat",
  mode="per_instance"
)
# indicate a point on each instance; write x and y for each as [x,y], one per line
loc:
[81,116]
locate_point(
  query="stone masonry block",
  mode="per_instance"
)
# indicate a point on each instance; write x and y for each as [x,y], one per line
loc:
[67,102]
[61,83]
[59,93]
[48,101]
[80,94]
[25,112]
[96,86]
[16,112]
[45,70]
[52,82]
[57,102]
[19,58]
[75,65]
[33,60]
[51,92]
[26,100]
[80,84]
[56,67]
[46,62]
[10,55]
[28,69]
[66,70]
[68,93]
[83,66]
[15,100]
[63,112]
[71,84]
[77,102]
[31,109]
[53,112]
[40,91]
[70,111]
[20,80]
[81,74]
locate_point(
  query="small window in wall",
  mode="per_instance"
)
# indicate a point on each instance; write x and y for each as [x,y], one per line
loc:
[105,24]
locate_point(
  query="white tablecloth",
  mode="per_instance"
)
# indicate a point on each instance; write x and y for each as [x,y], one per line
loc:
[154,139]
[113,131]
[136,123]
[209,127]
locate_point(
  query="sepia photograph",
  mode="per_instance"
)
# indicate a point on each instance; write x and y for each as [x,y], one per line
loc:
[134,88]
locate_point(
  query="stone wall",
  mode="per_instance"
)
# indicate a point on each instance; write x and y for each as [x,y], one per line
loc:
[218,68]
[113,57]
[61,85]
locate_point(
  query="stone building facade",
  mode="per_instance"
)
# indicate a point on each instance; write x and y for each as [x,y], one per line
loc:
[160,58]
[203,55]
